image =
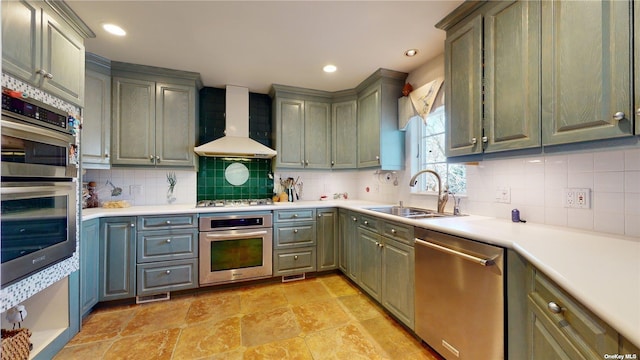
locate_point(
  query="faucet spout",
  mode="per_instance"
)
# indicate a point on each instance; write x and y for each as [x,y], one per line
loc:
[442,198]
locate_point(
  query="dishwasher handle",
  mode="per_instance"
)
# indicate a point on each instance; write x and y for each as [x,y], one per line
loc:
[444,249]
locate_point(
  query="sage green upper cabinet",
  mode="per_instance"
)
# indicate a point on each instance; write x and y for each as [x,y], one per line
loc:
[463,88]
[380,142]
[96,122]
[153,116]
[586,79]
[512,76]
[43,44]
[303,128]
[344,132]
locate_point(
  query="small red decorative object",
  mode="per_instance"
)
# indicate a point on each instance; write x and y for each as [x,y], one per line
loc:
[407,89]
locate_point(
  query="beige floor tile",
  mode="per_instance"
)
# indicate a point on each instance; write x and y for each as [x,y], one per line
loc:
[237,354]
[208,339]
[269,326]
[261,298]
[338,285]
[391,337]
[304,292]
[158,346]
[92,350]
[346,342]
[320,315]
[361,307]
[214,306]
[158,316]
[102,326]
[290,349]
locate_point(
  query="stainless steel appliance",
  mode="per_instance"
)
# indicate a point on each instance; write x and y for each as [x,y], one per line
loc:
[459,296]
[36,140]
[38,226]
[235,247]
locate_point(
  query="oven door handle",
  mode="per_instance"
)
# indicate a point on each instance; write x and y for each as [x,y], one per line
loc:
[444,249]
[227,236]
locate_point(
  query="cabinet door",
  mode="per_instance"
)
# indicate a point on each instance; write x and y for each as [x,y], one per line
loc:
[317,135]
[585,82]
[89,270]
[463,89]
[512,76]
[370,262]
[353,248]
[546,341]
[369,128]
[344,132]
[327,238]
[134,114]
[117,258]
[96,124]
[63,59]
[397,280]
[21,39]
[636,68]
[175,125]
[343,234]
[290,131]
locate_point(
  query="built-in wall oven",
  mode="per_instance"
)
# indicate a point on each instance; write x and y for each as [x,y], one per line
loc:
[235,247]
[38,188]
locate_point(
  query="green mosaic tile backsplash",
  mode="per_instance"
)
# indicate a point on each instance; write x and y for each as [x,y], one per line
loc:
[213,186]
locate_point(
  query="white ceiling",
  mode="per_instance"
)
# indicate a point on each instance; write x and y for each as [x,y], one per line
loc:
[258,43]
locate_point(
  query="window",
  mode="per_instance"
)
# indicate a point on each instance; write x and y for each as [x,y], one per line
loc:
[431,156]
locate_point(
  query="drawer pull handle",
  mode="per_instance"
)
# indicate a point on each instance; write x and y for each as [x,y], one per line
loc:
[168,272]
[168,222]
[366,222]
[168,241]
[295,215]
[554,308]
[295,231]
[295,257]
[619,116]
[393,231]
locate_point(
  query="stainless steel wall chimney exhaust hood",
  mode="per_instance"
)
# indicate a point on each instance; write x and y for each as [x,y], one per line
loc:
[236,142]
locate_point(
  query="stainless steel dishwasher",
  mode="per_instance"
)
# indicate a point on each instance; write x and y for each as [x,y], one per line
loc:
[459,296]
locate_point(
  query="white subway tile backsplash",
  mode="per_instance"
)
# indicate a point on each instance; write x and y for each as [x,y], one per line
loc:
[632,225]
[609,222]
[632,159]
[632,182]
[608,181]
[580,218]
[580,162]
[555,216]
[608,161]
[632,204]
[608,202]
[580,180]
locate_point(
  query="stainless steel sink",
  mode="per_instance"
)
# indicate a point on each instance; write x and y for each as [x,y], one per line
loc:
[409,212]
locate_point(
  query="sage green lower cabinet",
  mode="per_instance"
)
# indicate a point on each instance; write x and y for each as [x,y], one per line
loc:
[327,238]
[349,259]
[398,280]
[117,258]
[370,262]
[165,276]
[294,242]
[89,259]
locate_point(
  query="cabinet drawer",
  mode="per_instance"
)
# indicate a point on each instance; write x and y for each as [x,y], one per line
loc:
[167,245]
[167,222]
[586,332]
[295,234]
[396,231]
[167,276]
[287,262]
[368,222]
[295,215]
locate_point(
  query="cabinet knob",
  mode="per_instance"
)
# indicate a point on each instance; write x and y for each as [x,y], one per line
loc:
[168,272]
[41,72]
[380,245]
[306,163]
[618,116]
[638,111]
[333,162]
[168,222]
[485,139]
[295,257]
[49,76]
[554,308]
[393,231]
[366,222]
[168,241]
[106,155]
[354,219]
[474,140]
[295,231]
[132,225]
[295,215]
[378,159]
[151,158]
[157,158]
[319,215]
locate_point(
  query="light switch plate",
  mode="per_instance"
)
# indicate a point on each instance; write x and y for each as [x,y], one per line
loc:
[503,195]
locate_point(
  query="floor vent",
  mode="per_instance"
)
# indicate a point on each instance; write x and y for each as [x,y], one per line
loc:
[152,298]
[290,278]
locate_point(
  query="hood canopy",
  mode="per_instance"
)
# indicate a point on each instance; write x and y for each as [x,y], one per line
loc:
[236,142]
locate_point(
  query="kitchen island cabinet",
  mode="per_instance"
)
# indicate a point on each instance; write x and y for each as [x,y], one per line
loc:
[153,116]
[117,258]
[43,44]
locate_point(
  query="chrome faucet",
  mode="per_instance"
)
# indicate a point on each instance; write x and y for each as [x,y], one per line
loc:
[442,197]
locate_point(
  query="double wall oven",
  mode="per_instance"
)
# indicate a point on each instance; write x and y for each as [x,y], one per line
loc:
[38,187]
[235,247]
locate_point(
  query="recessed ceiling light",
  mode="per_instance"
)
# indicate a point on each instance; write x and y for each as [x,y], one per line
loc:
[329,68]
[114,29]
[411,52]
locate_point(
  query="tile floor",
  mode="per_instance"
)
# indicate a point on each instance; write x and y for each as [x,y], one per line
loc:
[319,318]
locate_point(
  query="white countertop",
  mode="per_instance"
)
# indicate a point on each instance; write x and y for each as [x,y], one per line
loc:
[602,271]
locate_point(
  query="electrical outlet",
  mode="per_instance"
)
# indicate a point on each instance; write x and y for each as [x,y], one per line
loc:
[579,198]
[503,195]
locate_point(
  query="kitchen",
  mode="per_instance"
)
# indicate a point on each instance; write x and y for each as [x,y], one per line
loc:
[529,181]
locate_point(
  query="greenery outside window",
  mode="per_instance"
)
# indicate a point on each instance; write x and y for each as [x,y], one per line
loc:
[431,155]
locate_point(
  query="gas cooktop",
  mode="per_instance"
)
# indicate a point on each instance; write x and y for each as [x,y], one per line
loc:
[234,203]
